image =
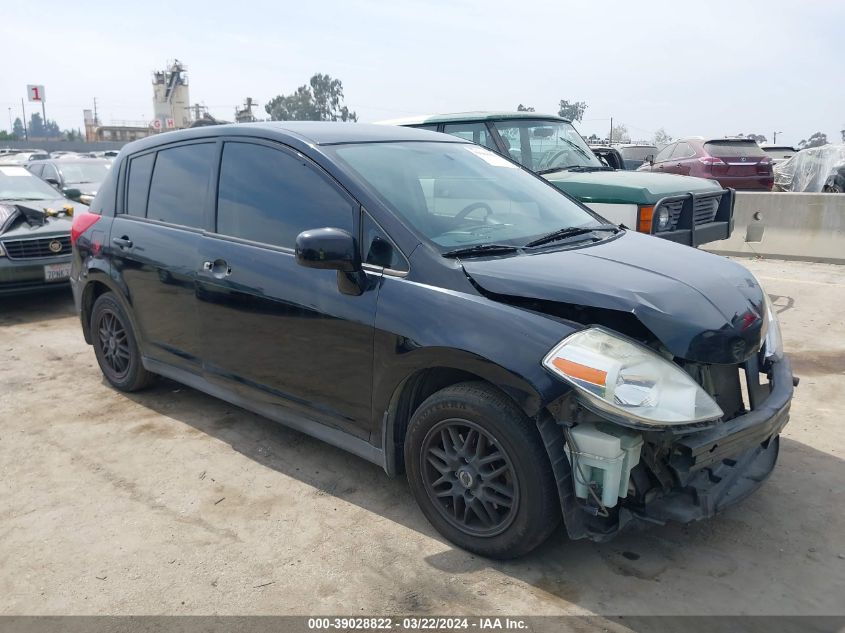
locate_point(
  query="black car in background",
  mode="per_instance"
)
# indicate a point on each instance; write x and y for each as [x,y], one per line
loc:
[437,309]
[76,177]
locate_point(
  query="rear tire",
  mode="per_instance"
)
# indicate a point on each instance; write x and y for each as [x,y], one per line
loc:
[115,345]
[479,471]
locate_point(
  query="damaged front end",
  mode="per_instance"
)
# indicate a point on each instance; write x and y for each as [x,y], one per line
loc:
[615,471]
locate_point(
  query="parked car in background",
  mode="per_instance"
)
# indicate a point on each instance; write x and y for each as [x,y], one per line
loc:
[22,157]
[817,169]
[63,153]
[779,153]
[609,156]
[635,155]
[733,162]
[77,178]
[426,304]
[35,223]
[551,147]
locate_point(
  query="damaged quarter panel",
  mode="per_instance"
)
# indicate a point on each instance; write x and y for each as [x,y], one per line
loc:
[702,308]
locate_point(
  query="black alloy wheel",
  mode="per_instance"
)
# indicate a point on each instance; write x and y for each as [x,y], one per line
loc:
[115,345]
[470,477]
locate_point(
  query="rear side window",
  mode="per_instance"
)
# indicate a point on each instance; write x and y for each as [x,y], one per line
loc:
[637,153]
[104,201]
[269,196]
[36,169]
[180,184]
[683,150]
[733,148]
[138,184]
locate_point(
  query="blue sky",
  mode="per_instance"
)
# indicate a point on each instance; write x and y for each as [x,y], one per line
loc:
[709,68]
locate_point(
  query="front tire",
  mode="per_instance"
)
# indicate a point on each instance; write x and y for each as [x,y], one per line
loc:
[479,471]
[115,345]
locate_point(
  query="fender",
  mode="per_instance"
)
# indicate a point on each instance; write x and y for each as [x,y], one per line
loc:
[98,270]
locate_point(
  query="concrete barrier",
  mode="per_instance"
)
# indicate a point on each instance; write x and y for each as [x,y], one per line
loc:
[804,226]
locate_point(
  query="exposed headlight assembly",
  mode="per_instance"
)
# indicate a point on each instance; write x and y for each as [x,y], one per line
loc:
[627,379]
[773,343]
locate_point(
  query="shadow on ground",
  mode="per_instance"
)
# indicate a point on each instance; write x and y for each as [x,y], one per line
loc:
[664,565]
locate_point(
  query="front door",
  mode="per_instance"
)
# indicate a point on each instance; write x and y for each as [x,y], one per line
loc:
[280,334]
[155,248]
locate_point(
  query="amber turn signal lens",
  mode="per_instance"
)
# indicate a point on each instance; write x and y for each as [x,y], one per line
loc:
[645,218]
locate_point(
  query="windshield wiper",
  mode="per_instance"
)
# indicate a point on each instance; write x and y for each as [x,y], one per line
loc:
[570,231]
[481,249]
[575,168]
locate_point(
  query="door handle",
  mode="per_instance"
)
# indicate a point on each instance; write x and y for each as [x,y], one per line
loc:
[218,268]
[122,242]
[679,165]
[660,167]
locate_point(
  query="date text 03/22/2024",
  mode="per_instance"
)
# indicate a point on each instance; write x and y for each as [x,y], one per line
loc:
[417,623]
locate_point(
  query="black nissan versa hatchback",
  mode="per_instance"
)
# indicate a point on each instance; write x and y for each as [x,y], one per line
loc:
[437,309]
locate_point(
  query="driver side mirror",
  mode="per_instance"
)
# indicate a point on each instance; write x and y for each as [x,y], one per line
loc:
[73,194]
[332,249]
[328,248]
[52,181]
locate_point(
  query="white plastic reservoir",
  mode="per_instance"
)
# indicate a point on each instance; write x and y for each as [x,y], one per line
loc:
[603,456]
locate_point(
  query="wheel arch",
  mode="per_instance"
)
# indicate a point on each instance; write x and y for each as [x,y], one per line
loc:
[97,284]
[422,382]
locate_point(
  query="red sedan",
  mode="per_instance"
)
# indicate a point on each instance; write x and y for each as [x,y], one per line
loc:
[735,163]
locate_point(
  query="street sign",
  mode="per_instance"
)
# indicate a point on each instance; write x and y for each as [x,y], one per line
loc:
[35,93]
[157,124]
[169,123]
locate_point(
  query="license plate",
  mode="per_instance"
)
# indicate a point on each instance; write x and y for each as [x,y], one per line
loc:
[56,272]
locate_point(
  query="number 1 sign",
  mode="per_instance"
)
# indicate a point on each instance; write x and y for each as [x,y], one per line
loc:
[35,93]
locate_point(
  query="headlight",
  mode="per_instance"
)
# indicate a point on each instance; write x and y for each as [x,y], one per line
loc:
[625,378]
[773,343]
[663,219]
[2,251]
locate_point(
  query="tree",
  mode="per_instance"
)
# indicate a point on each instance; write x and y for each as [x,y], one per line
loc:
[619,134]
[38,128]
[18,129]
[522,108]
[573,111]
[816,140]
[73,135]
[759,138]
[319,101]
[5,136]
[842,132]
[662,137]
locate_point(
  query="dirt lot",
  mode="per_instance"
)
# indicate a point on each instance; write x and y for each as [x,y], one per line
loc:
[169,501]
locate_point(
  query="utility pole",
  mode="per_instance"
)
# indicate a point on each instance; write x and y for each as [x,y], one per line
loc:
[96,120]
[25,129]
[11,125]
[775,137]
[610,138]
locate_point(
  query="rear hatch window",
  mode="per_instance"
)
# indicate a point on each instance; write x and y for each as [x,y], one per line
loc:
[740,158]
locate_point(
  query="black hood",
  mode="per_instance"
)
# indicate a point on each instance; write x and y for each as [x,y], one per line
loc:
[702,307]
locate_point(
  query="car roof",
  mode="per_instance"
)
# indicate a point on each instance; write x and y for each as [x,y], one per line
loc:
[470,116]
[307,132]
[73,159]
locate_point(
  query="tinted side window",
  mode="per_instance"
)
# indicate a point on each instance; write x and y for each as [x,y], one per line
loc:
[475,132]
[36,168]
[138,184]
[269,196]
[378,249]
[50,172]
[180,183]
[683,150]
[665,153]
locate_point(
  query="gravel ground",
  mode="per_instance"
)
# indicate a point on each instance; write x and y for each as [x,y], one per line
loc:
[171,502]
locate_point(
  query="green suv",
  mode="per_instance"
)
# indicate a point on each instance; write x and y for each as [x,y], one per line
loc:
[683,209]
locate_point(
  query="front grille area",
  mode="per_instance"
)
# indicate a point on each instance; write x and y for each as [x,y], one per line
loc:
[703,211]
[37,248]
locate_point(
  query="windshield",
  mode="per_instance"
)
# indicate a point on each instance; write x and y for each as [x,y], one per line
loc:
[78,173]
[16,183]
[637,153]
[549,144]
[460,195]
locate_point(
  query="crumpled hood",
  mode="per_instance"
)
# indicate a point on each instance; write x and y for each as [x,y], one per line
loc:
[632,187]
[702,307]
[52,225]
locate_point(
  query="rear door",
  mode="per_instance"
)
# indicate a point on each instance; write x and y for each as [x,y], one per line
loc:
[154,244]
[275,332]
